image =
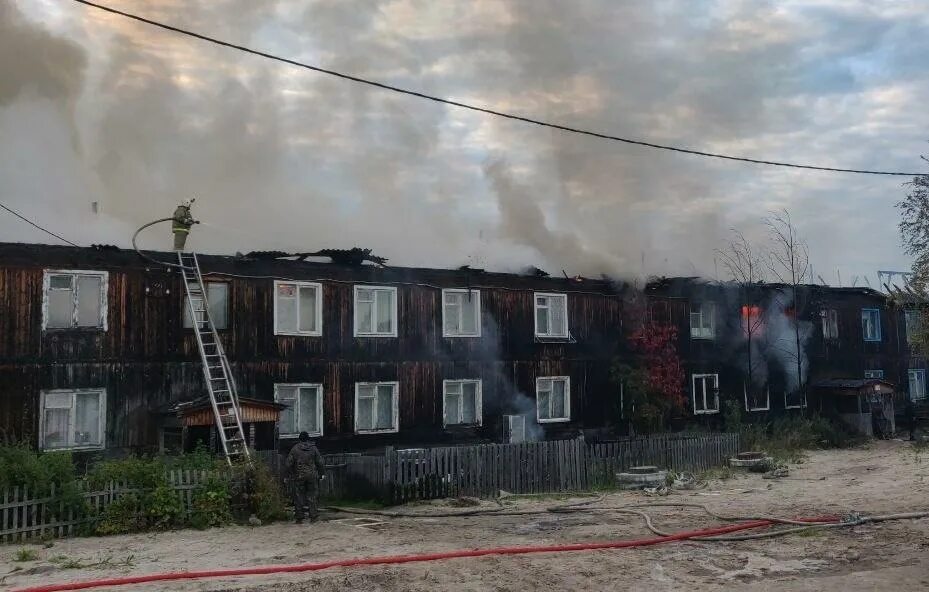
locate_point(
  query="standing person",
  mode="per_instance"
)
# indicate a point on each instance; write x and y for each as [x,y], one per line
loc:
[910,415]
[305,466]
[181,223]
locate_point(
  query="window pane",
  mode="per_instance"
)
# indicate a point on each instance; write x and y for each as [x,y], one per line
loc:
[197,302]
[541,320]
[307,308]
[365,413]
[384,311]
[60,307]
[286,308]
[558,399]
[58,401]
[385,407]
[365,295]
[56,427]
[218,297]
[309,421]
[364,312]
[60,282]
[366,390]
[544,396]
[87,419]
[451,408]
[452,311]
[469,403]
[558,316]
[288,420]
[468,314]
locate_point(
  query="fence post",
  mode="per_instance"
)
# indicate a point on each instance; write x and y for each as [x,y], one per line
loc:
[389,470]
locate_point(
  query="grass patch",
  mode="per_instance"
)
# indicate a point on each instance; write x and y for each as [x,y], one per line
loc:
[810,533]
[22,555]
[717,474]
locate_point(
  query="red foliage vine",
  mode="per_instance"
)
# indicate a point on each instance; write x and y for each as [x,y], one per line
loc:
[655,343]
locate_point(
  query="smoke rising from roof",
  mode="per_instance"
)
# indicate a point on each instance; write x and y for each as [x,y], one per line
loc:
[97,108]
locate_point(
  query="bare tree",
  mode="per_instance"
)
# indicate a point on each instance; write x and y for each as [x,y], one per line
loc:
[789,263]
[746,266]
[914,230]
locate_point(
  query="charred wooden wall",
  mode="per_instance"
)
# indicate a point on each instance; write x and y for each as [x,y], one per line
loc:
[146,359]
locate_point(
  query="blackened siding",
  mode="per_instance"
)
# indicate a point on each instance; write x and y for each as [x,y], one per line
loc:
[147,359]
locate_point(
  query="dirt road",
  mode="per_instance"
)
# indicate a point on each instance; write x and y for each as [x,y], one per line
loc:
[883,478]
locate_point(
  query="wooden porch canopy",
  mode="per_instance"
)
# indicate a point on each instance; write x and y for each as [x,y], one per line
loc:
[199,412]
[849,387]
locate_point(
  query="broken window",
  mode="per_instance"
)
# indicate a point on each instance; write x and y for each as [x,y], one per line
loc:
[303,411]
[706,393]
[871,324]
[375,311]
[376,407]
[553,399]
[830,323]
[703,320]
[757,398]
[794,399]
[551,315]
[298,308]
[913,321]
[217,296]
[462,402]
[461,313]
[75,300]
[917,384]
[515,428]
[72,419]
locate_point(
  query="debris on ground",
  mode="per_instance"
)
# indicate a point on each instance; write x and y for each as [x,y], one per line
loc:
[777,473]
[660,491]
[464,502]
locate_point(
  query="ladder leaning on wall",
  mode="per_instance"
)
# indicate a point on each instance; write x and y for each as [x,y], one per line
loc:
[220,383]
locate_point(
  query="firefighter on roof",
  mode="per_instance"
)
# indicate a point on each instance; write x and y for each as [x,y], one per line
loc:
[181,223]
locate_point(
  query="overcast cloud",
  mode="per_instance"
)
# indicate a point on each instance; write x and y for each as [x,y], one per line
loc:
[96,108]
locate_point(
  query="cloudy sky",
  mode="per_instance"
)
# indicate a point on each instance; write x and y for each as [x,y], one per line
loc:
[96,108]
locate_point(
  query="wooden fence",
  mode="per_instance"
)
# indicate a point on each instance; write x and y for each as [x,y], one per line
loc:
[26,515]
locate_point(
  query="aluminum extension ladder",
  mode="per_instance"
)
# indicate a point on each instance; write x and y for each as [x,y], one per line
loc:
[220,383]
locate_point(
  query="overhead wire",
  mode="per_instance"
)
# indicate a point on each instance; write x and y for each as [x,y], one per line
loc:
[479,109]
[30,222]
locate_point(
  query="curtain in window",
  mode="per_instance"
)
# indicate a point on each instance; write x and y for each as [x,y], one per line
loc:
[469,403]
[541,316]
[364,312]
[452,308]
[307,308]
[558,399]
[60,301]
[385,407]
[309,420]
[87,419]
[365,411]
[384,311]
[544,399]
[286,307]
[558,316]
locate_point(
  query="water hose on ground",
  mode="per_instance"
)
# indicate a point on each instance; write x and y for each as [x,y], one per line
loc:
[709,534]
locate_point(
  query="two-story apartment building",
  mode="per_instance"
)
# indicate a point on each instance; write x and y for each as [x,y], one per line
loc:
[97,353]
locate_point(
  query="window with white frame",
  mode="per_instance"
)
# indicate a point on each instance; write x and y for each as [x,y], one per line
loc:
[757,398]
[553,399]
[461,313]
[75,299]
[551,315]
[871,324]
[795,399]
[462,402]
[376,407]
[874,374]
[705,393]
[298,308]
[303,411]
[217,297]
[72,419]
[913,320]
[375,311]
[917,384]
[703,320]
[830,318]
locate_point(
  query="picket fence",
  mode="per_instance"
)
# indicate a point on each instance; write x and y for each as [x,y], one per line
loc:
[26,515]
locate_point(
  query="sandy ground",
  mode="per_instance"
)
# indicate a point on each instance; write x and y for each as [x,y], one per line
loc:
[885,477]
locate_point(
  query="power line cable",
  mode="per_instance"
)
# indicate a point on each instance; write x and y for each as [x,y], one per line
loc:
[45,230]
[485,110]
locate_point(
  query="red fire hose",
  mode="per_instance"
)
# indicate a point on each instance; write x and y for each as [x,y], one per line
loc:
[271,569]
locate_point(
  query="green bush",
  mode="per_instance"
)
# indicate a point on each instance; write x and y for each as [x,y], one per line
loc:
[256,492]
[211,504]
[38,471]
[121,516]
[163,508]
[786,438]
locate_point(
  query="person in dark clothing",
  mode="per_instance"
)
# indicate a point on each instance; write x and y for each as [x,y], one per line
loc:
[305,467]
[910,416]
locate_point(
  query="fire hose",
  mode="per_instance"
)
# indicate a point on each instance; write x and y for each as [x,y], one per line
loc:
[701,534]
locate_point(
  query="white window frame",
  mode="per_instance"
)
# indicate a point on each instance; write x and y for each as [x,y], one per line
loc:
[185,315]
[475,296]
[567,402]
[319,308]
[874,374]
[830,318]
[701,310]
[76,273]
[395,322]
[802,404]
[319,406]
[767,406]
[908,326]
[877,326]
[478,401]
[101,392]
[693,393]
[535,314]
[395,399]
[909,375]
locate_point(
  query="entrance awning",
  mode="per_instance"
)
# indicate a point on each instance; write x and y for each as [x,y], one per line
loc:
[854,386]
[199,412]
